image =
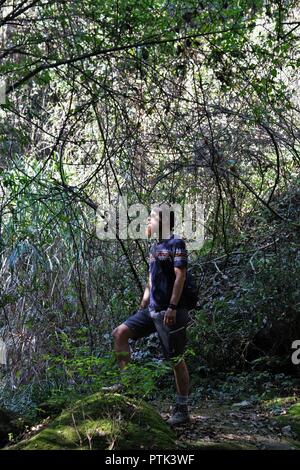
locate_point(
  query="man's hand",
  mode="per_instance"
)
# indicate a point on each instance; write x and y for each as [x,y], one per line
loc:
[170,317]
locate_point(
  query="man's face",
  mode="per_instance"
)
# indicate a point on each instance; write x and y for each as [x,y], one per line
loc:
[152,228]
[152,224]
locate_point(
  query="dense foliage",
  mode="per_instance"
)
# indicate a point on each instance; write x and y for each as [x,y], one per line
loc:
[156,100]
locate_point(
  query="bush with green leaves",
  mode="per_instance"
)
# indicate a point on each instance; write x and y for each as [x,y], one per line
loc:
[78,372]
[258,320]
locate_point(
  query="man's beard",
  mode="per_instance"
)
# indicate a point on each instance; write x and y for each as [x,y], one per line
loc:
[148,231]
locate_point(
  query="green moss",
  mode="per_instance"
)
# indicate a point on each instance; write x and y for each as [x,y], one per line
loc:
[292,418]
[279,401]
[103,421]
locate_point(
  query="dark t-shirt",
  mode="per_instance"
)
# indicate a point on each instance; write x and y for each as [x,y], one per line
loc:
[161,268]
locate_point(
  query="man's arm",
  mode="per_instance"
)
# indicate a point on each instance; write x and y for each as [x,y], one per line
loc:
[180,274]
[170,315]
[146,296]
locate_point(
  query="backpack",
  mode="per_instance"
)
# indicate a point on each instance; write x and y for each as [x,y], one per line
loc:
[190,290]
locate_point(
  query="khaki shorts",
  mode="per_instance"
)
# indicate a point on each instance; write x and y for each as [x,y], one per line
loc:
[173,338]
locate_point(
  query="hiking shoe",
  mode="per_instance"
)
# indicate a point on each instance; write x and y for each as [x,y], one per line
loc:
[115,388]
[180,415]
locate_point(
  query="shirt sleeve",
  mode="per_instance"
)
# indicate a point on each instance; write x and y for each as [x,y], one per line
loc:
[180,254]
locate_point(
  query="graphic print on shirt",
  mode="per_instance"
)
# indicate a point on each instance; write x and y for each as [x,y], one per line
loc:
[163,257]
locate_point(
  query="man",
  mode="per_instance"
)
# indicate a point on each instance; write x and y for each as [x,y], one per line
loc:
[162,308]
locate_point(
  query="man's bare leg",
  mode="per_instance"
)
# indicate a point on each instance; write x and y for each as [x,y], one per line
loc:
[181,413]
[121,336]
[182,378]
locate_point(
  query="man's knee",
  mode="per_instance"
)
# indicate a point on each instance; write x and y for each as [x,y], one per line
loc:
[122,332]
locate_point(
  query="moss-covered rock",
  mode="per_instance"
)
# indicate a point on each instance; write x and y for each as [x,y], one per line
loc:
[10,424]
[103,421]
[292,418]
